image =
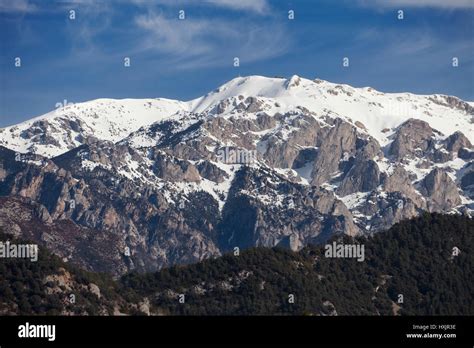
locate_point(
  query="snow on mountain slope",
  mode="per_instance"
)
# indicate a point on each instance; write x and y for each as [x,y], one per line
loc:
[68,127]
[377,113]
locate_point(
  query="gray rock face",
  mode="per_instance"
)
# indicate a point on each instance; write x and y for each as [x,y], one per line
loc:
[341,139]
[441,189]
[413,138]
[175,170]
[399,181]
[392,209]
[211,172]
[457,142]
[282,150]
[362,177]
[247,219]
[454,102]
[467,181]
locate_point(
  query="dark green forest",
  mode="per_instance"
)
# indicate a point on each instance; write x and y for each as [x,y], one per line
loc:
[412,261]
[45,286]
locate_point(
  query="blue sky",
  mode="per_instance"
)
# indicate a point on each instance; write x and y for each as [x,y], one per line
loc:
[82,59]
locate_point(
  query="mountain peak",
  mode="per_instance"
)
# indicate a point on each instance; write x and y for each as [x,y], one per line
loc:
[293,81]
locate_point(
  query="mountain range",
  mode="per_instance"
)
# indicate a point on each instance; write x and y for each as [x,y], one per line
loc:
[142,184]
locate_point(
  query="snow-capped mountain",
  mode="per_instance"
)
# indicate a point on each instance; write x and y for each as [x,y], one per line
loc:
[380,113]
[257,162]
[376,113]
[72,125]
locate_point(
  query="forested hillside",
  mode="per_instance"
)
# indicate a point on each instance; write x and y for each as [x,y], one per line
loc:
[413,259]
[407,270]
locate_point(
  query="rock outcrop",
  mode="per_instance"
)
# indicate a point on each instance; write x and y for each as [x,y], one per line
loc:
[441,190]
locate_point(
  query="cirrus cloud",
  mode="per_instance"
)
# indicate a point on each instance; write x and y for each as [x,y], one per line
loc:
[446,4]
[20,6]
[202,42]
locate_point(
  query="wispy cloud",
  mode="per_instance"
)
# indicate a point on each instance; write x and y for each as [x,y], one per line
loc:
[202,42]
[177,37]
[396,43]
[154,32]
[259,6]
[256,6]
[93,18]
[446,4]
[17,6]
[394,51]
